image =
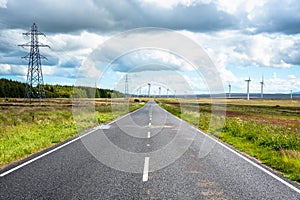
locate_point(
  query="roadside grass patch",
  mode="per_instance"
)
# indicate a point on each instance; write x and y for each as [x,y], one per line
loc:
[26,129]
[269,133]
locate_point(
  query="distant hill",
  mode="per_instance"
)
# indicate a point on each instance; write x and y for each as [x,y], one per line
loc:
[16,89]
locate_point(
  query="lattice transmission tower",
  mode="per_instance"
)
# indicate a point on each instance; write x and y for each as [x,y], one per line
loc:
[34,83]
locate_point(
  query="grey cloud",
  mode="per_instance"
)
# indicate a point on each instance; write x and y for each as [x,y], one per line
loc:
[292,55]
[107,16]
[277,16]
[70,63]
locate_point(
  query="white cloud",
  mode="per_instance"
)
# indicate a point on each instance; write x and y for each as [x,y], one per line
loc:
[168,4]
[291,76]
[3,3]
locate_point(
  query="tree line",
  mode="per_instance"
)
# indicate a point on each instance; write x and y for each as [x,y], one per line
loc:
[16,89]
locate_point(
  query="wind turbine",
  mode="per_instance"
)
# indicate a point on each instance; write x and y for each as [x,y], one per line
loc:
[159,91]
[168,93]
[229,92]
[248,84]
[291,94]
[262,87]
[149,86]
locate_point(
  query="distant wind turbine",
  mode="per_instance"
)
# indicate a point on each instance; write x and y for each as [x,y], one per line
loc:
[159,93]
[229,92]
[149,86]
[248,84]
[262,87]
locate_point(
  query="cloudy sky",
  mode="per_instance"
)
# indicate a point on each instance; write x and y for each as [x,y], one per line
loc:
[242,38]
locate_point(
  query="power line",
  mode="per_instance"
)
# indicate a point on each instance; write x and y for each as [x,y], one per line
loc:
[34,83]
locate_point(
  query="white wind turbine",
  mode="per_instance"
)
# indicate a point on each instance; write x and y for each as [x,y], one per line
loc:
[229,90]
[248,84]
[262,87]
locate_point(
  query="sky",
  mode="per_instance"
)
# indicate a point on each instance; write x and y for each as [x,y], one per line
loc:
[258,38]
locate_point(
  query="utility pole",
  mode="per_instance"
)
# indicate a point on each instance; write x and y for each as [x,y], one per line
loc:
[248,83]
[34,83]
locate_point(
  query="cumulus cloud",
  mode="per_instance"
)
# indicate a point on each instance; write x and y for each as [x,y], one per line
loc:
[150,60]
[237,35]
[291,76]
[108,16]
[3,3]
[276,16]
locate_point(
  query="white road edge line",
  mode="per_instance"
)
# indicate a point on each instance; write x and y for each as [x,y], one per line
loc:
[148,136]
[243,157]
[61,146]
[251,162]
[146,169]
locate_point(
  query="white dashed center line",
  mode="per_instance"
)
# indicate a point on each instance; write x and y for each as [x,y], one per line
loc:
[148,136]
[146,169]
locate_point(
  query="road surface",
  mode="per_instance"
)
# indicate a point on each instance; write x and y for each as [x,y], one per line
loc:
[161,157]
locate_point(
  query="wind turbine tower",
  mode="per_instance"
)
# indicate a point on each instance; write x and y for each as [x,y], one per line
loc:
[229,92]
[262,87]
[159,89]
[168,93]
[149,86]
[248,84]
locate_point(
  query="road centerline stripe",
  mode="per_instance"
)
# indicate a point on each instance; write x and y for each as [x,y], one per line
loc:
[146,169]
[148,136]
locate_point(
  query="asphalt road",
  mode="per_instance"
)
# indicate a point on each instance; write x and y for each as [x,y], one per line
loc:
[148,154]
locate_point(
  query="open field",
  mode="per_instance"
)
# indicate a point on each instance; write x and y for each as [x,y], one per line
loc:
[268,130]
[28,128]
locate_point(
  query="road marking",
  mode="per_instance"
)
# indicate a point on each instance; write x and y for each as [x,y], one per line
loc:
[251,162]
[149,123]
[148,136]
[63,145]
[242,156]
[150,118]
[38,157]
[146,169]
[148,145]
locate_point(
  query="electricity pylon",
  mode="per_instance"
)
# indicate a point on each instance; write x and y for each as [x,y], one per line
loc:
[34,83]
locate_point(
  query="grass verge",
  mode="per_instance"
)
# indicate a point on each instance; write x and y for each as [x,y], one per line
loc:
[268,132]
[27,129]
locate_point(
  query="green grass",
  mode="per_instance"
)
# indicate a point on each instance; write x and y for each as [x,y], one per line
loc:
[267,132]
[27,129]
